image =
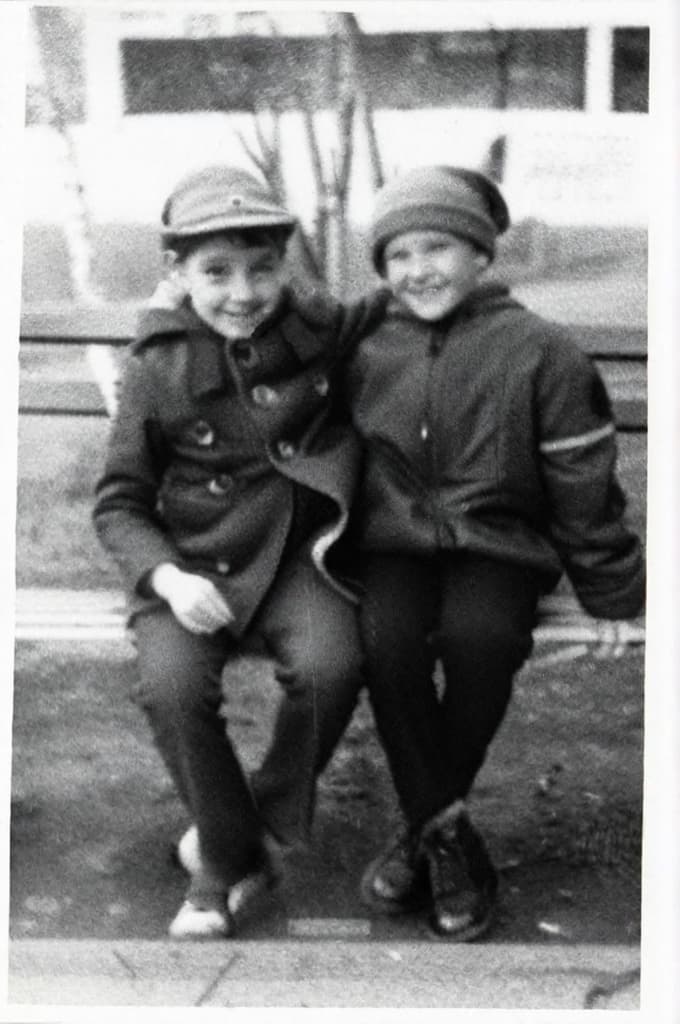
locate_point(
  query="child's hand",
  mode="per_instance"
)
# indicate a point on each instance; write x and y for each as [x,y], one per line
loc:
[616,635]
[169,294]
[195,602]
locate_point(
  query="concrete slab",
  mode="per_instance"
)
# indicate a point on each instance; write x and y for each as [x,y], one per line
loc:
[323,974]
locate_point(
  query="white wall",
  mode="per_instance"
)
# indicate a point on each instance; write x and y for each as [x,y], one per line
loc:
[562,167]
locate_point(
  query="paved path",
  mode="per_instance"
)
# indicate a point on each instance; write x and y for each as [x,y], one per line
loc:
[323,973]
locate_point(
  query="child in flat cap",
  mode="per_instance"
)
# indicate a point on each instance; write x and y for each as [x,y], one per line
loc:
[226,489]
[489,469]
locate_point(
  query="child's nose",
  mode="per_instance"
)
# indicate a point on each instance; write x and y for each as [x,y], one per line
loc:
[241,287]
[418,267]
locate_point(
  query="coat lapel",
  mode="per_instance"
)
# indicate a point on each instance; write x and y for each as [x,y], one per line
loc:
[306,326]
[305,342]
[207,364]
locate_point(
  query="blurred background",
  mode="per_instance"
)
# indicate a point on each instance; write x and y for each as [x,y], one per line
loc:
[550,99]
[125,99]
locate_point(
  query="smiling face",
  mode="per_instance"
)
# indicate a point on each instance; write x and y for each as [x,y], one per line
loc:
[233,286]
[431,272]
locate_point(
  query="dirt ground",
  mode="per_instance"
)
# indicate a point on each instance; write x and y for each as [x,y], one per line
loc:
[94,815]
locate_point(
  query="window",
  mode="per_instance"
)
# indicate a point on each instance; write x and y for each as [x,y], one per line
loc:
[631,70]
[538,69]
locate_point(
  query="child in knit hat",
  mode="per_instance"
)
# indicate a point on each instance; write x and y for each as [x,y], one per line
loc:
[226,489]
[489,469]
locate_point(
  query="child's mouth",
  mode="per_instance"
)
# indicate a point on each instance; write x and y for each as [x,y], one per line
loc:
[241,314]
[431,291]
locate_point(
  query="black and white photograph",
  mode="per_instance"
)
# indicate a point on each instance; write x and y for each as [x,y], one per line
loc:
[341,602]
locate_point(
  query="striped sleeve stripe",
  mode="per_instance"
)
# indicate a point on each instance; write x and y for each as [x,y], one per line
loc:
[564,444]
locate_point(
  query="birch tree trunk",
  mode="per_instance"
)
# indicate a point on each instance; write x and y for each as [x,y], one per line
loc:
[78,222]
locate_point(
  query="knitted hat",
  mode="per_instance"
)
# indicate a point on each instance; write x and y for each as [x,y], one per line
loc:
[221,199]
[454,199]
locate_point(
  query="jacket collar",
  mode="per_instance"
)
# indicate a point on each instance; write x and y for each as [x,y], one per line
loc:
[492,295]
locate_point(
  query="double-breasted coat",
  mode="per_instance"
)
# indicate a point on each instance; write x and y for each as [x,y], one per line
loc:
[222,453]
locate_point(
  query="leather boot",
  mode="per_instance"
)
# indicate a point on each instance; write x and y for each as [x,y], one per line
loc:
[463,880]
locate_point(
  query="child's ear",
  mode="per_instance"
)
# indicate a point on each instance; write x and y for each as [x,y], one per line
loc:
[175,270]
[171,292]
[171,261]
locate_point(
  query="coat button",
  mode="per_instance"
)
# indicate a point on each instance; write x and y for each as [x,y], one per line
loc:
[223,567]
[321,385]
[247,354]
[202,433]
[286,449]
[220,484]
[264,396]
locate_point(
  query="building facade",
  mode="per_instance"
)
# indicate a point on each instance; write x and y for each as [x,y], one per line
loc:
[554,97]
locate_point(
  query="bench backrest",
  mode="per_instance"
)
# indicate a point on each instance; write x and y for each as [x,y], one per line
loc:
[620,351]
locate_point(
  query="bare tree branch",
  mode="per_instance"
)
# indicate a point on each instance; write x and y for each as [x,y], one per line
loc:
[350,27]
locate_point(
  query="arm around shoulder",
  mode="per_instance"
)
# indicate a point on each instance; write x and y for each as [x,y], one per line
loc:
[360,318]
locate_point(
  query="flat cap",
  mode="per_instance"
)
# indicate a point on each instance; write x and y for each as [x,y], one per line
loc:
[221,198]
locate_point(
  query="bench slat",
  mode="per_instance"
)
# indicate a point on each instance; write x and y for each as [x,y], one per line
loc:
[54,614]
[83,398]
[115,324]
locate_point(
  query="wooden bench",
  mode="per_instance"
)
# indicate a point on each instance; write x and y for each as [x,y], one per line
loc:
[55,614]
[615,350]
[79,615]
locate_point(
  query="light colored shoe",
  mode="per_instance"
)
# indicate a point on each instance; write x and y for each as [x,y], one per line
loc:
[202,921]
[188,851]
[220,915]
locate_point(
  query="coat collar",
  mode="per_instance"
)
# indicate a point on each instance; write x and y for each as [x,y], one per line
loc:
[302,338]
[207,366]
[302,327]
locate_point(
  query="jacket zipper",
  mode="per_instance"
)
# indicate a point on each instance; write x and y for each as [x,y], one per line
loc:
[426,435]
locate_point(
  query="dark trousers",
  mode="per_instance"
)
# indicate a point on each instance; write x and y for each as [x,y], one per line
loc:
[312,634]
[476,616]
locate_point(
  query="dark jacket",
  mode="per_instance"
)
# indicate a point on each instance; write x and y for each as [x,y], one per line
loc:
[220,449]
[491,431]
